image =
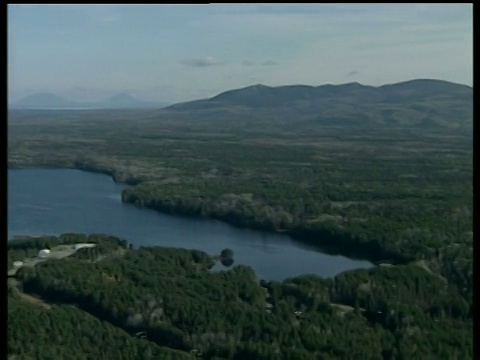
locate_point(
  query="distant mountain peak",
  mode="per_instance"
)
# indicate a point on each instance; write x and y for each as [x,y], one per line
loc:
[43,100]
[354,84]
[258,86]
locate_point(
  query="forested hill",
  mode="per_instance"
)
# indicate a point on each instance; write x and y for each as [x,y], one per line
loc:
[421,102]
[112,302]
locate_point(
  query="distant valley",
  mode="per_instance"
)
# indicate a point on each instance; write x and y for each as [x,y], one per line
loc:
[52,101]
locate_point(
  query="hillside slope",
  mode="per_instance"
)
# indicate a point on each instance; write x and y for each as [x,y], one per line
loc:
[420,102]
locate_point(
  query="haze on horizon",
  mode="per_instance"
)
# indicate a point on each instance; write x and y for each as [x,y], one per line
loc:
[174,53]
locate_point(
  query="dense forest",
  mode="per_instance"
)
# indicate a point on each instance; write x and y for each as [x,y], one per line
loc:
[166,303]
[397,195]
[386,194]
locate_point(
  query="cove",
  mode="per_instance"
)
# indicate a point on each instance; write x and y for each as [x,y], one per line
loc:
[57,201]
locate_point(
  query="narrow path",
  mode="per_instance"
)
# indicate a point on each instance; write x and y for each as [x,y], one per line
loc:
[33,300]
[424,266]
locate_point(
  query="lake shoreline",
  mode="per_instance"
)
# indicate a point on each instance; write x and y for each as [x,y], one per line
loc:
[347,247]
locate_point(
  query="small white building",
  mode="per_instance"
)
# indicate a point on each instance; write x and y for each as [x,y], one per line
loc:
[44,253]
[17,264]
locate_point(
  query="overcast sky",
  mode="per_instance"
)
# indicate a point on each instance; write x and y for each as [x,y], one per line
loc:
[185,52]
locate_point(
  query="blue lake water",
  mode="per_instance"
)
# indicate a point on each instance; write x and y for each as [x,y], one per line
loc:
[57,201]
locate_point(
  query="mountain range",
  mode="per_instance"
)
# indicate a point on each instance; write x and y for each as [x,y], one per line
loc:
[52,101]
[420,102]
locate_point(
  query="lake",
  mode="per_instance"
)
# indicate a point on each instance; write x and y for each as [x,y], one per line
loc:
[57,201]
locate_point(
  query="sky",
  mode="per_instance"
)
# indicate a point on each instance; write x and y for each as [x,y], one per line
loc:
[175,53]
